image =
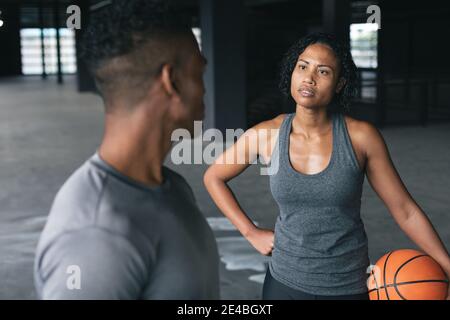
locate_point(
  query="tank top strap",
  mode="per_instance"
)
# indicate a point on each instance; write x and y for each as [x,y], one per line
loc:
[344,149]
[283,138]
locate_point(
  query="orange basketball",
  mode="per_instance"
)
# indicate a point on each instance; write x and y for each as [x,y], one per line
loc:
[407,275]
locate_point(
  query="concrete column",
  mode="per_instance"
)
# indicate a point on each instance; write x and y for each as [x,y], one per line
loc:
[10,57]
[381,86]
[41,27]
[85,80]
[223,45]
[58,41]
[336,16]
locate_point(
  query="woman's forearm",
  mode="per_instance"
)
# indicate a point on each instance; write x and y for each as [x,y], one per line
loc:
[420,230]
[225,200]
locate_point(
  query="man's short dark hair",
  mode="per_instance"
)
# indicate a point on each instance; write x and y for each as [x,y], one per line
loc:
[127,42]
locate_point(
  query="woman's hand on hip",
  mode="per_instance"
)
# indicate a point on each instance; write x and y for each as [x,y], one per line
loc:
[262,240]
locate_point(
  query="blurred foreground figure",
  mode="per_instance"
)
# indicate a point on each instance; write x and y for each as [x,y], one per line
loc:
[123,226]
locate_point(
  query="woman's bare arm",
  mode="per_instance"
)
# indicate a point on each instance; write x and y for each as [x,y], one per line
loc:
[228,166]
[386,182]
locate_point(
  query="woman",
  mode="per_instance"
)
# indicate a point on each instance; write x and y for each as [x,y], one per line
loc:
[319,246]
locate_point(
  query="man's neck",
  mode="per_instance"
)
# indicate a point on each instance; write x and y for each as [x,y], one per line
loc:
[136,147]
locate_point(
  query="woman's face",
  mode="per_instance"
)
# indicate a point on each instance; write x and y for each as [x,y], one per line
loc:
[315,79]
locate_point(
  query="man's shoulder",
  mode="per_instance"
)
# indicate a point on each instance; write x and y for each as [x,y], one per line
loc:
[81,191]
[75,202]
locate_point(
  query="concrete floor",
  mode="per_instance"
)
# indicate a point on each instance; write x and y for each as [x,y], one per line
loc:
[47,131]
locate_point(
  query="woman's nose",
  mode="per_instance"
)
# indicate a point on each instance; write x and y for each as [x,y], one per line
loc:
[308,79]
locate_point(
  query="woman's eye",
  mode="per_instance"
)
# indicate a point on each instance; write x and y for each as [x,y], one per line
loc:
[324,72]
[302,67]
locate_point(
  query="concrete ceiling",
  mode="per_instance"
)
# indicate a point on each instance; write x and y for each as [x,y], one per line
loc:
[187,3]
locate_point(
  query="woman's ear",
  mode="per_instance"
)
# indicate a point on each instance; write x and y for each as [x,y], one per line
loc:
[167,80]
[340,85]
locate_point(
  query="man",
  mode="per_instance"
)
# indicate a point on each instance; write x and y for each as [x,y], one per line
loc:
[123,226]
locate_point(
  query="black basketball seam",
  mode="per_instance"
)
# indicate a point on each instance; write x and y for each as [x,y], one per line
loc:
[384,274]
[398,270]
[409,282]
[420,281]
[376,285]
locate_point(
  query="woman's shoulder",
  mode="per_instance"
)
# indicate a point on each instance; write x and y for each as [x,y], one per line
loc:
[266,133]
[361,132]
[359,127]
[270,124]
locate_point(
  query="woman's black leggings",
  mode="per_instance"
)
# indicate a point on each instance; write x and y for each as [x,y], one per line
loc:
[274,290]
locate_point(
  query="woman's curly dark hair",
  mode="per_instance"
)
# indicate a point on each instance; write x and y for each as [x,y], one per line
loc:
[343,54]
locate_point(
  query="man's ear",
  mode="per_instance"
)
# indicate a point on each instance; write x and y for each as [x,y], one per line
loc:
[167,79]
[340,85]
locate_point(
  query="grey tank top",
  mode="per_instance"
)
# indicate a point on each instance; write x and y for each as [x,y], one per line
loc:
[320,242]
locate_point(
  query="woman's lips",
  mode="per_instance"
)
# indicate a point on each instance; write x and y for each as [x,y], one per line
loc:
[306,93]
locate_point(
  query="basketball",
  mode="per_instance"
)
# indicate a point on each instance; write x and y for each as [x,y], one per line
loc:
[407,275]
